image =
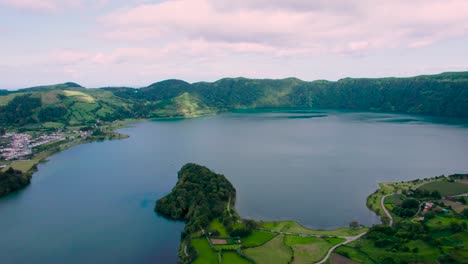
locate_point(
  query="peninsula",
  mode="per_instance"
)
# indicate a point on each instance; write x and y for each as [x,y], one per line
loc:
[423,221]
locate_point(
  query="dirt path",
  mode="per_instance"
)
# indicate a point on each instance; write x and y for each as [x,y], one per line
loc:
[390,218]
[348,240]
[229,206]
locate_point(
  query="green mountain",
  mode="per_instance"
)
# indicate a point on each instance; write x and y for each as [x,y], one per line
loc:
[443,94]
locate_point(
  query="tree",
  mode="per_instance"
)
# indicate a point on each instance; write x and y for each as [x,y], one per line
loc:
[354,224]
[465,212]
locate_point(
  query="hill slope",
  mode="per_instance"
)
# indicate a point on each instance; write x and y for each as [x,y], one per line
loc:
[444,94]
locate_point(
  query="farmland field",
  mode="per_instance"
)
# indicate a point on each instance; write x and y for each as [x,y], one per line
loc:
[275,251]
[233,258]
[446,188]
[205,254]
[257,238]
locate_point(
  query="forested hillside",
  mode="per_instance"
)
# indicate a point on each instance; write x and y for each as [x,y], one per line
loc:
[199,196]
[444,94]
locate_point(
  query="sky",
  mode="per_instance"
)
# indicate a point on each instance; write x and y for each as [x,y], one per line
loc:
[135,43]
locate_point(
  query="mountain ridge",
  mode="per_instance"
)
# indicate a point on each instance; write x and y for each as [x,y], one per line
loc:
[444,95]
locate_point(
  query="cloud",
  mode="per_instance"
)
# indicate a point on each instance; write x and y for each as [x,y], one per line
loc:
[336,26]
[50,5]
[144,40]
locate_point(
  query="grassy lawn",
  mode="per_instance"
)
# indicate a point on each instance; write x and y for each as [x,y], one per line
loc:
[218,226]
[440,222]
[53,125]
[392,199]
[446,188]
[294,240]
[233,258]
[426,253]
[277,225]
[257,238]
[354,254]
[80,96]
[5,99]
[205,254]
[299,229]
[308,249]
[24,165]
[275,251]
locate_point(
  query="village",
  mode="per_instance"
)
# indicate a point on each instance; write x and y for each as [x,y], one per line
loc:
[17,146]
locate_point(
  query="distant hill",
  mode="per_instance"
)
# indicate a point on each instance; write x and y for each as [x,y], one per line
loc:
[443,94]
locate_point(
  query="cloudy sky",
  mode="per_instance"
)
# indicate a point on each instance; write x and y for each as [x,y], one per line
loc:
[136,42]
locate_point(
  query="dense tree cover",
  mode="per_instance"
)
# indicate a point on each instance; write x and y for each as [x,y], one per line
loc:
[19,110]
[52,113]
[408,208]
[399,238]
[12,180]
[422,193]
[439,95]
[199,196]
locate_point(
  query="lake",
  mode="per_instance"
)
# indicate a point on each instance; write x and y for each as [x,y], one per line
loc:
[94,203]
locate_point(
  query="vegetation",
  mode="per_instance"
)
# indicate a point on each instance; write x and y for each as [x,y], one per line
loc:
[275,251]
[12,180]
[436,234]
[69,103]
[214,233]
[205,254]
[199,197]
[446,188]
[257,238]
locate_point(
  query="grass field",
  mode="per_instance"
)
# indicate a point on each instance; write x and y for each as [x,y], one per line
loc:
[426,253]
[440,222]
[218,226]
[233,258]
[5,99]
[54,125]
[277,225]
[257,238]
[205,254]
[80,96]
[297,228]
[354,254]
[446,188]
[273,252]
[310,249]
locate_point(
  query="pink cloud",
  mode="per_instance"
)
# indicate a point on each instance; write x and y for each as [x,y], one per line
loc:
[290,27]
[51,5]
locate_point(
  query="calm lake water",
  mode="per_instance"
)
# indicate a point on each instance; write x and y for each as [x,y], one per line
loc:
[94,203]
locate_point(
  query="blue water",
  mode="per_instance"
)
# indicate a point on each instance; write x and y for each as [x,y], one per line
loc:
[94,203]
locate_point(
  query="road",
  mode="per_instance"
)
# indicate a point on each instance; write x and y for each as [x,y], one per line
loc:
[390,218]
[348,240]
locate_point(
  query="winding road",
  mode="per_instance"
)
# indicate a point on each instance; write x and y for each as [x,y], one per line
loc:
[348,240]
[390,218]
